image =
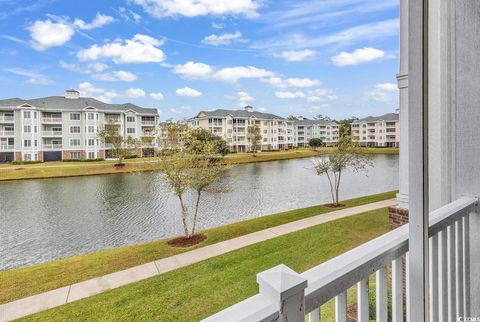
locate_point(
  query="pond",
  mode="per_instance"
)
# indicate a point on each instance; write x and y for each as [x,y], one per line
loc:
[47,219]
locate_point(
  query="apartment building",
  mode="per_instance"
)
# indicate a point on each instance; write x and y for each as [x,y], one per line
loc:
[65,127]
[377,131]
[277,132]
[306,129]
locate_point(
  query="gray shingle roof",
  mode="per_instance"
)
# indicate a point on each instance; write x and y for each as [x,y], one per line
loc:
[62,103]
[385,117]
[306,121]
[239,113]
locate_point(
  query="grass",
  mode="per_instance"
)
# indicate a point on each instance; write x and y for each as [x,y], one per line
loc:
[199,290]
[70,169]
[22,282]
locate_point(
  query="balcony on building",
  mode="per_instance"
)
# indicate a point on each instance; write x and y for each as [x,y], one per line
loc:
[148,121]
[52,118]
[7,117]
[51,144]
[113,119]
[51,131]
[7,131]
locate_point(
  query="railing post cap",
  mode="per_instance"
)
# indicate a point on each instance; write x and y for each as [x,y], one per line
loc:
[280,282]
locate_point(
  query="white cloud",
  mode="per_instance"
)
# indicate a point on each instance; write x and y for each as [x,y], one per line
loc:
[262,109]
[128,15]
[157,96]
[115,76]
[193,70]
[359,56]
[194,8]
[244,98]
[97,67]
[88,89]
[298,55]
[385,93]
[216,25]
[289,95]
[99,21]
[292,82]
[187,91]
[224,39]
[139,49]
[46,34]
[32,77]
[181,110]
[233,74]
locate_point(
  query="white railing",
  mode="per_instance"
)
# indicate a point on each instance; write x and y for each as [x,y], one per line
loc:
[239,133]
[7,133]
[47,119]
[52,146]
[148,122]
[285,295]
[4,118]
[52,133]
[6,147]
[112,120]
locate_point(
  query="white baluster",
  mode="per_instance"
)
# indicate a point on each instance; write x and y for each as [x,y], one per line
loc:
[381,296]
[459,268]
[341,307]
[362,301]
[314,316]
[443,277]
[407,284]
[397,290]
[452,303]
[433,288]
[466,264]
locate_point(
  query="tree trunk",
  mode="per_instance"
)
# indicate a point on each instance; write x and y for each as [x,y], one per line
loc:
[331,187]
[197,204]
[184,215]
[337,187]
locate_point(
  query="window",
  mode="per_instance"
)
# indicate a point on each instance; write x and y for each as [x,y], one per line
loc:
[75,142]
[75,155]
[264,139]
[91,155]
[27,114]
[27,157]
[35,115]
[27,129]
[91,142]
[74,129]
[75,116]
[35,143]
[265,131]
[131,130]
[27,143]
[91,129]
[130,118]
[35,129]
[91,116]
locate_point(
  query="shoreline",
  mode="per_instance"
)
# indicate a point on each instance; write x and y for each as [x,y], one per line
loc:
[72,169]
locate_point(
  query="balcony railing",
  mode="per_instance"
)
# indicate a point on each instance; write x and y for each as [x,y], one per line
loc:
[4,118]
[51,146]
[239,133]
[51,119]
[4,147]
[288,296]
[145,122]
[52,133]
[112,120]
[7,133]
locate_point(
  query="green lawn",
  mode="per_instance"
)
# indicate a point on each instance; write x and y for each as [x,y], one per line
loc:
[18,283]
[69,169]
[199,290]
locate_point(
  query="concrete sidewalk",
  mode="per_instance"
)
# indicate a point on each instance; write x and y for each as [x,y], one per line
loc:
[74,292]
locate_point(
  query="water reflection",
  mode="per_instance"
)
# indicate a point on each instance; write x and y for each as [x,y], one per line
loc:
[48,219]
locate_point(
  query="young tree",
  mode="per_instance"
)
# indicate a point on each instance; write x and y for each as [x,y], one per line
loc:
[196,140]
[254,137]
[195,169]
[315,143]
[347,156]
[120,146]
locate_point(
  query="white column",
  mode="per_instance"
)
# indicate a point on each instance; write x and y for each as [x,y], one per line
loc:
[402,78]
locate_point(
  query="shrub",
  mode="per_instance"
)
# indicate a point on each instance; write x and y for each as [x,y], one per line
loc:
[27,162]
[83,160]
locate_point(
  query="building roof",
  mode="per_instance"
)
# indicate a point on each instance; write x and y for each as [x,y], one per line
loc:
[385,117]
[239,113]
[305,121]
[77,104]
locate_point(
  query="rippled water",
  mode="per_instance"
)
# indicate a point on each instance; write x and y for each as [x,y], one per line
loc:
[42,220]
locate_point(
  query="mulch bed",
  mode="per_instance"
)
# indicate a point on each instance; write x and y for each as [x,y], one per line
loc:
[119,165]
[332,205]
[187,241]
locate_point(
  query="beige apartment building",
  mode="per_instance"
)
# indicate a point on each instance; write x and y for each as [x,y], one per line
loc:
[377,131]
[278,133]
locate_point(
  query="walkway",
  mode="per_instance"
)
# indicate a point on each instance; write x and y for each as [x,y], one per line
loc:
[77,291]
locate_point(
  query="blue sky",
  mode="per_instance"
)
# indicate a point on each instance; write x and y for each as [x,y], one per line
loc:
[332,57]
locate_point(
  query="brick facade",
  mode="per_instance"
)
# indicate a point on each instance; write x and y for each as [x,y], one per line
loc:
[66,154]
[397,217]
